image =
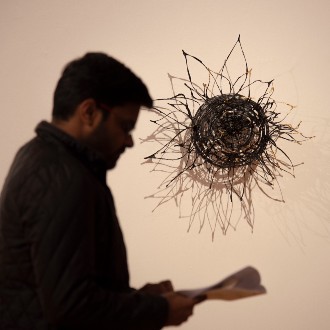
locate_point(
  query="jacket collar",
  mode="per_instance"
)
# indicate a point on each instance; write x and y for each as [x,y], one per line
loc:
[89,158]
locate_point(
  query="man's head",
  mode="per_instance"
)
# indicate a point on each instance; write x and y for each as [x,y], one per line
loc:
[97,101]
[99,77]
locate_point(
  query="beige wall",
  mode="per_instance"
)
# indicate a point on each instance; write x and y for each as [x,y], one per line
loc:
[285,40]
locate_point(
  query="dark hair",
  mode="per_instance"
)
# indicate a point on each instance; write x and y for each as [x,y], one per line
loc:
[101,77]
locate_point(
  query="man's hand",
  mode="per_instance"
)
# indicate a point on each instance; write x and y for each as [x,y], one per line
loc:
[180,308]
[157,288]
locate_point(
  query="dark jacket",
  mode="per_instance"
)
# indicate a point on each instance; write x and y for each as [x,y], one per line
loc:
[62,255]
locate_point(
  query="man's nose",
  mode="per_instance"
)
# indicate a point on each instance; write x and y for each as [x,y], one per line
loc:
[129,141]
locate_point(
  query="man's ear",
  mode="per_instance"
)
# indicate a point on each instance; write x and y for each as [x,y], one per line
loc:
[88,113]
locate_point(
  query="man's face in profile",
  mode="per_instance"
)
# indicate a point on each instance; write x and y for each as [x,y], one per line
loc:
[113,135]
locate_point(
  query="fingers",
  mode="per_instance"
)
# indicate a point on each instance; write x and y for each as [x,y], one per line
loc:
[180,308]
[200,298]
[158,288]
[166,286]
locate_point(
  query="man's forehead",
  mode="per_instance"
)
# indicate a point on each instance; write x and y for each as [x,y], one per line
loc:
[127,111]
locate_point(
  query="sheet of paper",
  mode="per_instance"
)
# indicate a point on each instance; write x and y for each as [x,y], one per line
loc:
[244,283]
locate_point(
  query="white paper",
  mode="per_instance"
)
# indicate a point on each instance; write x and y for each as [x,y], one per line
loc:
[244,283]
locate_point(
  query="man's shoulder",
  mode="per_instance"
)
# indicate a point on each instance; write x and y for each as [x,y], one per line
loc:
[43,161]
[37,154]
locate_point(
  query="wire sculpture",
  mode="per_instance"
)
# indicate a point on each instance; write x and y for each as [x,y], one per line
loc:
[217,142]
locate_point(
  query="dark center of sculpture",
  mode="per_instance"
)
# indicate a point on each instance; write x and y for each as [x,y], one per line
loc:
[229,131]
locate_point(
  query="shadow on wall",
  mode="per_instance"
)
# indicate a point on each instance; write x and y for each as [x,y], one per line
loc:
[306,210]
[219,141]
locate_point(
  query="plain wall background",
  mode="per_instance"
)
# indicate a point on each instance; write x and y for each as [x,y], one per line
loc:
[285,40]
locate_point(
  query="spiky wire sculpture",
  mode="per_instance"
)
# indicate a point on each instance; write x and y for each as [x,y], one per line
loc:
[218,141]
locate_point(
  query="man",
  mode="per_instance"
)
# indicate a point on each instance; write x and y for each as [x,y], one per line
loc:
[62,255]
